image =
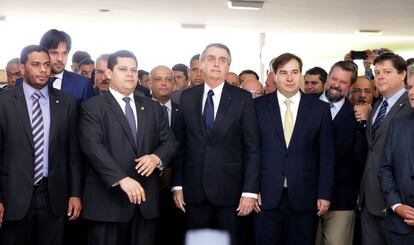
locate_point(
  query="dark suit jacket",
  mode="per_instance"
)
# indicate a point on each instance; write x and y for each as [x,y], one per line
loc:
[396,171]
[143,90]
[223,166]
[107,141]
[350,154]
[17,153]
[75,84]
[370,192]
[308,163]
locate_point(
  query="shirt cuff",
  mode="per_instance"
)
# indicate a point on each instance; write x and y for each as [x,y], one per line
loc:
[251,195]
[160,166]
[393,207]
[176,188]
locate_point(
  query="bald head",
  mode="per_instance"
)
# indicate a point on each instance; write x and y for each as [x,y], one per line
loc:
[254,87]
[362,91]
[233,79]
[13,72]
[162,83]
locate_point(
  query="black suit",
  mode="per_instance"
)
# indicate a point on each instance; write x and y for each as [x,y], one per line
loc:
[107,141]
[214,171]
[17,156]
[396,176]
[143,90]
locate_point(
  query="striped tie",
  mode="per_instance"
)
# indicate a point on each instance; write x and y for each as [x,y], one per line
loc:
[380,117]
[38,136]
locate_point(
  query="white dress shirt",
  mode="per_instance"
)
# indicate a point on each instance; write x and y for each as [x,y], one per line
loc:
[119,98]
[57,84]
[335,106]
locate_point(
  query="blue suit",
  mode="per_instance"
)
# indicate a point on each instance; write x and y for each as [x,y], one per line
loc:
[308,165]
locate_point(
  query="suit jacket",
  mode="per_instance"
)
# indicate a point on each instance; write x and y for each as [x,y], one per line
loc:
[17,153]
[308,163]
[370,193]
[396,171]
[75,84]
[350,154]
[143,90]
[108,144]
[220,167]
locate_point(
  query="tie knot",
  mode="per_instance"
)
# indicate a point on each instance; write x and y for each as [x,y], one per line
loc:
[384,103]
[126,99]
[36,95]
[331,105]
[210,93]
[287,102]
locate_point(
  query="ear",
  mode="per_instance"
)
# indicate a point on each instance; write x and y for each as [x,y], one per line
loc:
[22,68]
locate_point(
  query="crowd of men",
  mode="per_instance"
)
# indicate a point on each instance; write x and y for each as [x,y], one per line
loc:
[109,154]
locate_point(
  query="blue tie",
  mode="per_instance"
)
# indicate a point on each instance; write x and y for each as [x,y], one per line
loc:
[379,119]
[129,114]
[208,114]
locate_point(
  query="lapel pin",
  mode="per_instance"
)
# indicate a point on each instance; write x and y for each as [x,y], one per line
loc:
[401,104]
[57,101]
[142,108]
[176,109]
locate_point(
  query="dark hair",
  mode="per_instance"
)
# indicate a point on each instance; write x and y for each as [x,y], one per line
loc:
[113,58]
[347,66]
[181,67]
[282,59]
[86,61]
[397,61]
[195,57]
[318,71]
[13,61]
[216,45]
[53,37]
[141,74]
[24,55]
[410,61]
[249,72]
[78,56]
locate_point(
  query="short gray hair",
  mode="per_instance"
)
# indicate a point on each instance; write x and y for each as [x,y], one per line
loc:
[410,72]
[216,45]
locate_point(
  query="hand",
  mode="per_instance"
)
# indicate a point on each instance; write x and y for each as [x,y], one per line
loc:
[362,111]
[369,60]
[323,206]
[1,214]
[74,208]
[258,203]
[406,212]
[133,189]
[146,164]
[246,206]
[348,57]
[178,197]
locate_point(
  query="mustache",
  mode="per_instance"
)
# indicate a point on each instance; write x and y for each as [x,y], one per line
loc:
[336,89]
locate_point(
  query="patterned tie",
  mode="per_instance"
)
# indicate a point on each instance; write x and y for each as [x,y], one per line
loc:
[165,109]
[38,136]
[288,124]
[208,114]
[129,114]
[380,117]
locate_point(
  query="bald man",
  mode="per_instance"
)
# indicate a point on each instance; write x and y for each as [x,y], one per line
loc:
[254,87]
[233,79]
[171,221]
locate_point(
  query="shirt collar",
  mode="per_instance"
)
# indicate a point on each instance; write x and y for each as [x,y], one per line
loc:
[391,100]
[59,75]
[119,97]
[29,90]
[217,90]
[338,104]
[294,99]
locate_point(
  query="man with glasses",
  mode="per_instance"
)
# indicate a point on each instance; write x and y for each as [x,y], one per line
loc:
[254,87]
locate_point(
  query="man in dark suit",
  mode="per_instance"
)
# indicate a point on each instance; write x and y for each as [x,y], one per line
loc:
[336,226]
[59,44]
[40,168]
[216,179]
[390,71]
[125,139]
[297,158]
[396,174]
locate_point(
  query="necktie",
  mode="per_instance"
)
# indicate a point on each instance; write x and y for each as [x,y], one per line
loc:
[129,114]
[288,124]
[38,136]
[380,117]
[208,114]
[52,80]
[165,109]
[333,110]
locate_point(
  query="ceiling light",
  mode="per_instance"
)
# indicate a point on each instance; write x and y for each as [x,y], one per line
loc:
[104,10]
[245,5]
[367,32]
[193,26]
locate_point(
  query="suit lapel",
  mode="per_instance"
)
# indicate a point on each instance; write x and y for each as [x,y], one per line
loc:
[409,129]
[341,115]
[301,116]
[119,114]
[274,114]
[54,114]
[66,84]
[174,113]
[198,105]
[222,108]
[140,121]
[21,108]
[370,122]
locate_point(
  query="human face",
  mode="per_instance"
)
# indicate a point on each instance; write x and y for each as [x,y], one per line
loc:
[216,65]
[387,79]
[270,84]
[37,69]
[162,83]
[287,78]
[180,80]
[86,70]
[101,80]
[124,76]
[195,73]
[13,73]
[313,84]
[245,77]
[254,87]
[145,81]
[362,91]
[338,84]
[233,79]
[410,90]
[58,57]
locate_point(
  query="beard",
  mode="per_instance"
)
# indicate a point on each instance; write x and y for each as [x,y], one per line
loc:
[333,97]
